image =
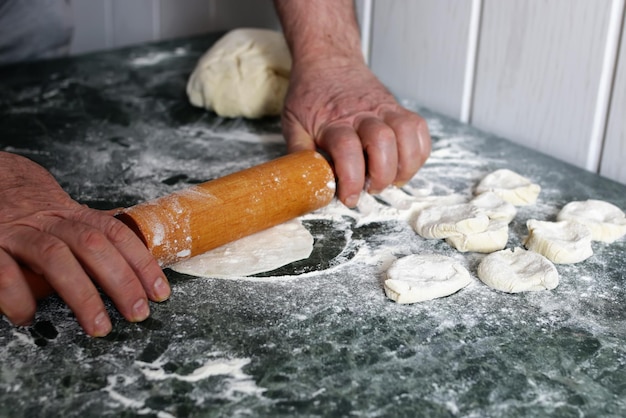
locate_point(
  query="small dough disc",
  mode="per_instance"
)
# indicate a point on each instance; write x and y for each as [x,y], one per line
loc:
[493,239]
[606,221]
[245,73]
[416,278]
[510,186]
[438,222]
[518,271]
[264,251]
[495,207]
[563,242]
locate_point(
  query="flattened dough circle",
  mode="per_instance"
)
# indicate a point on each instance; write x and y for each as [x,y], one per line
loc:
[416,278]
[510,186]
[438,222]
[518,271]
[563,242]
[606,221]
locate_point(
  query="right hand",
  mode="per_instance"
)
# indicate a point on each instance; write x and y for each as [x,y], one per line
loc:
[50,242]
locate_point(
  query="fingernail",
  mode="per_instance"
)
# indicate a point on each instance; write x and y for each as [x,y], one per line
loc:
[374,191]
[351,201]
[162,289]
[140,310]
[102,325]
[400,183]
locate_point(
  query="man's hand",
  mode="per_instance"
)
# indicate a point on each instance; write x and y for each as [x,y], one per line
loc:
[345,111]
[45,236]
[336,104]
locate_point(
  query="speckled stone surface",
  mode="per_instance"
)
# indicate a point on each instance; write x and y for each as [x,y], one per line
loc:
[322,339]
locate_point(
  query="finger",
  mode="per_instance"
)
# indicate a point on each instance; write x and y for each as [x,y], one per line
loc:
[16,300]
[104,263]
[52,257]
[298,139]
[413,142]
[343,145]
[134,252]
[379,143]
[37,284]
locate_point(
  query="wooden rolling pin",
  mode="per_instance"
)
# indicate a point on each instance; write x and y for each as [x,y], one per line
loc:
[205,216]
[211,214]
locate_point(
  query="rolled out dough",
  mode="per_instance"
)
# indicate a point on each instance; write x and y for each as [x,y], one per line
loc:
[563,242]
[606,221]
[416,278]
[518,271]
[510,186]
[246,73]
[264,251]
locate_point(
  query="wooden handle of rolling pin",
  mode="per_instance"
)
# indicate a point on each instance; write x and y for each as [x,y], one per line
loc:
[211,214]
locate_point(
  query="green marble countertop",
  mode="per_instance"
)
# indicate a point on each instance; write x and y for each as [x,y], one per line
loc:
[115,129]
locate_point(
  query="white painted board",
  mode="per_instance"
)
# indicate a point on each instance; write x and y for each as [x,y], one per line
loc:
[538,72]
[613,163]
[419,50]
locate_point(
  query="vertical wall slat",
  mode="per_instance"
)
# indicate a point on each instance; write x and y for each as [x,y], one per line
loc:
[538,73]
[613,164]
[419,50]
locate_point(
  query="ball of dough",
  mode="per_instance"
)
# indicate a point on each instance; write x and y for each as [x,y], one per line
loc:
[518,271]
[606,221]
[510,186]
[246,73]
[416,278]
[493,239]
[445,221]
[563,242]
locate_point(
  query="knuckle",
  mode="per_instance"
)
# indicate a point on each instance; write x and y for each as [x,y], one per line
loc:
[92,240]
[117,231]
[51,248]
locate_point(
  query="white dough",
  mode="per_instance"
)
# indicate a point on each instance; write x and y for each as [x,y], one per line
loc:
[245,73]
[493,239]
[510,186]
[495,207]
[518,271]
[606,221]
[444,221]
[264,251]
[416,278]
[563,242]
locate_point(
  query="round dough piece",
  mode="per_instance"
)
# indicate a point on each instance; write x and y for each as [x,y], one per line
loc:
[245,73]
[438,222]
[416,278]
[495,207]
[493,239]
[518,271]
[264,251]
[510,186]
[606,221]
[563,242]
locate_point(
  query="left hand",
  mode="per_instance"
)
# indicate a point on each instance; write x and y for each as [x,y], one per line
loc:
[343,109]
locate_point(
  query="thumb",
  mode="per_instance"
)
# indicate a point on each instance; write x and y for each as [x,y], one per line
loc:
[297,138]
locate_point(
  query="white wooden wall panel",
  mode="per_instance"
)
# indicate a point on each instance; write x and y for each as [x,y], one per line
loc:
[538,70]
[419,49]
[90,29]
[245,13]
[133,22]
[614,153]
[185,17]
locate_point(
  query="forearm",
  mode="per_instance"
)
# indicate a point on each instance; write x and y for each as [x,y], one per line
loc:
[320,31]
